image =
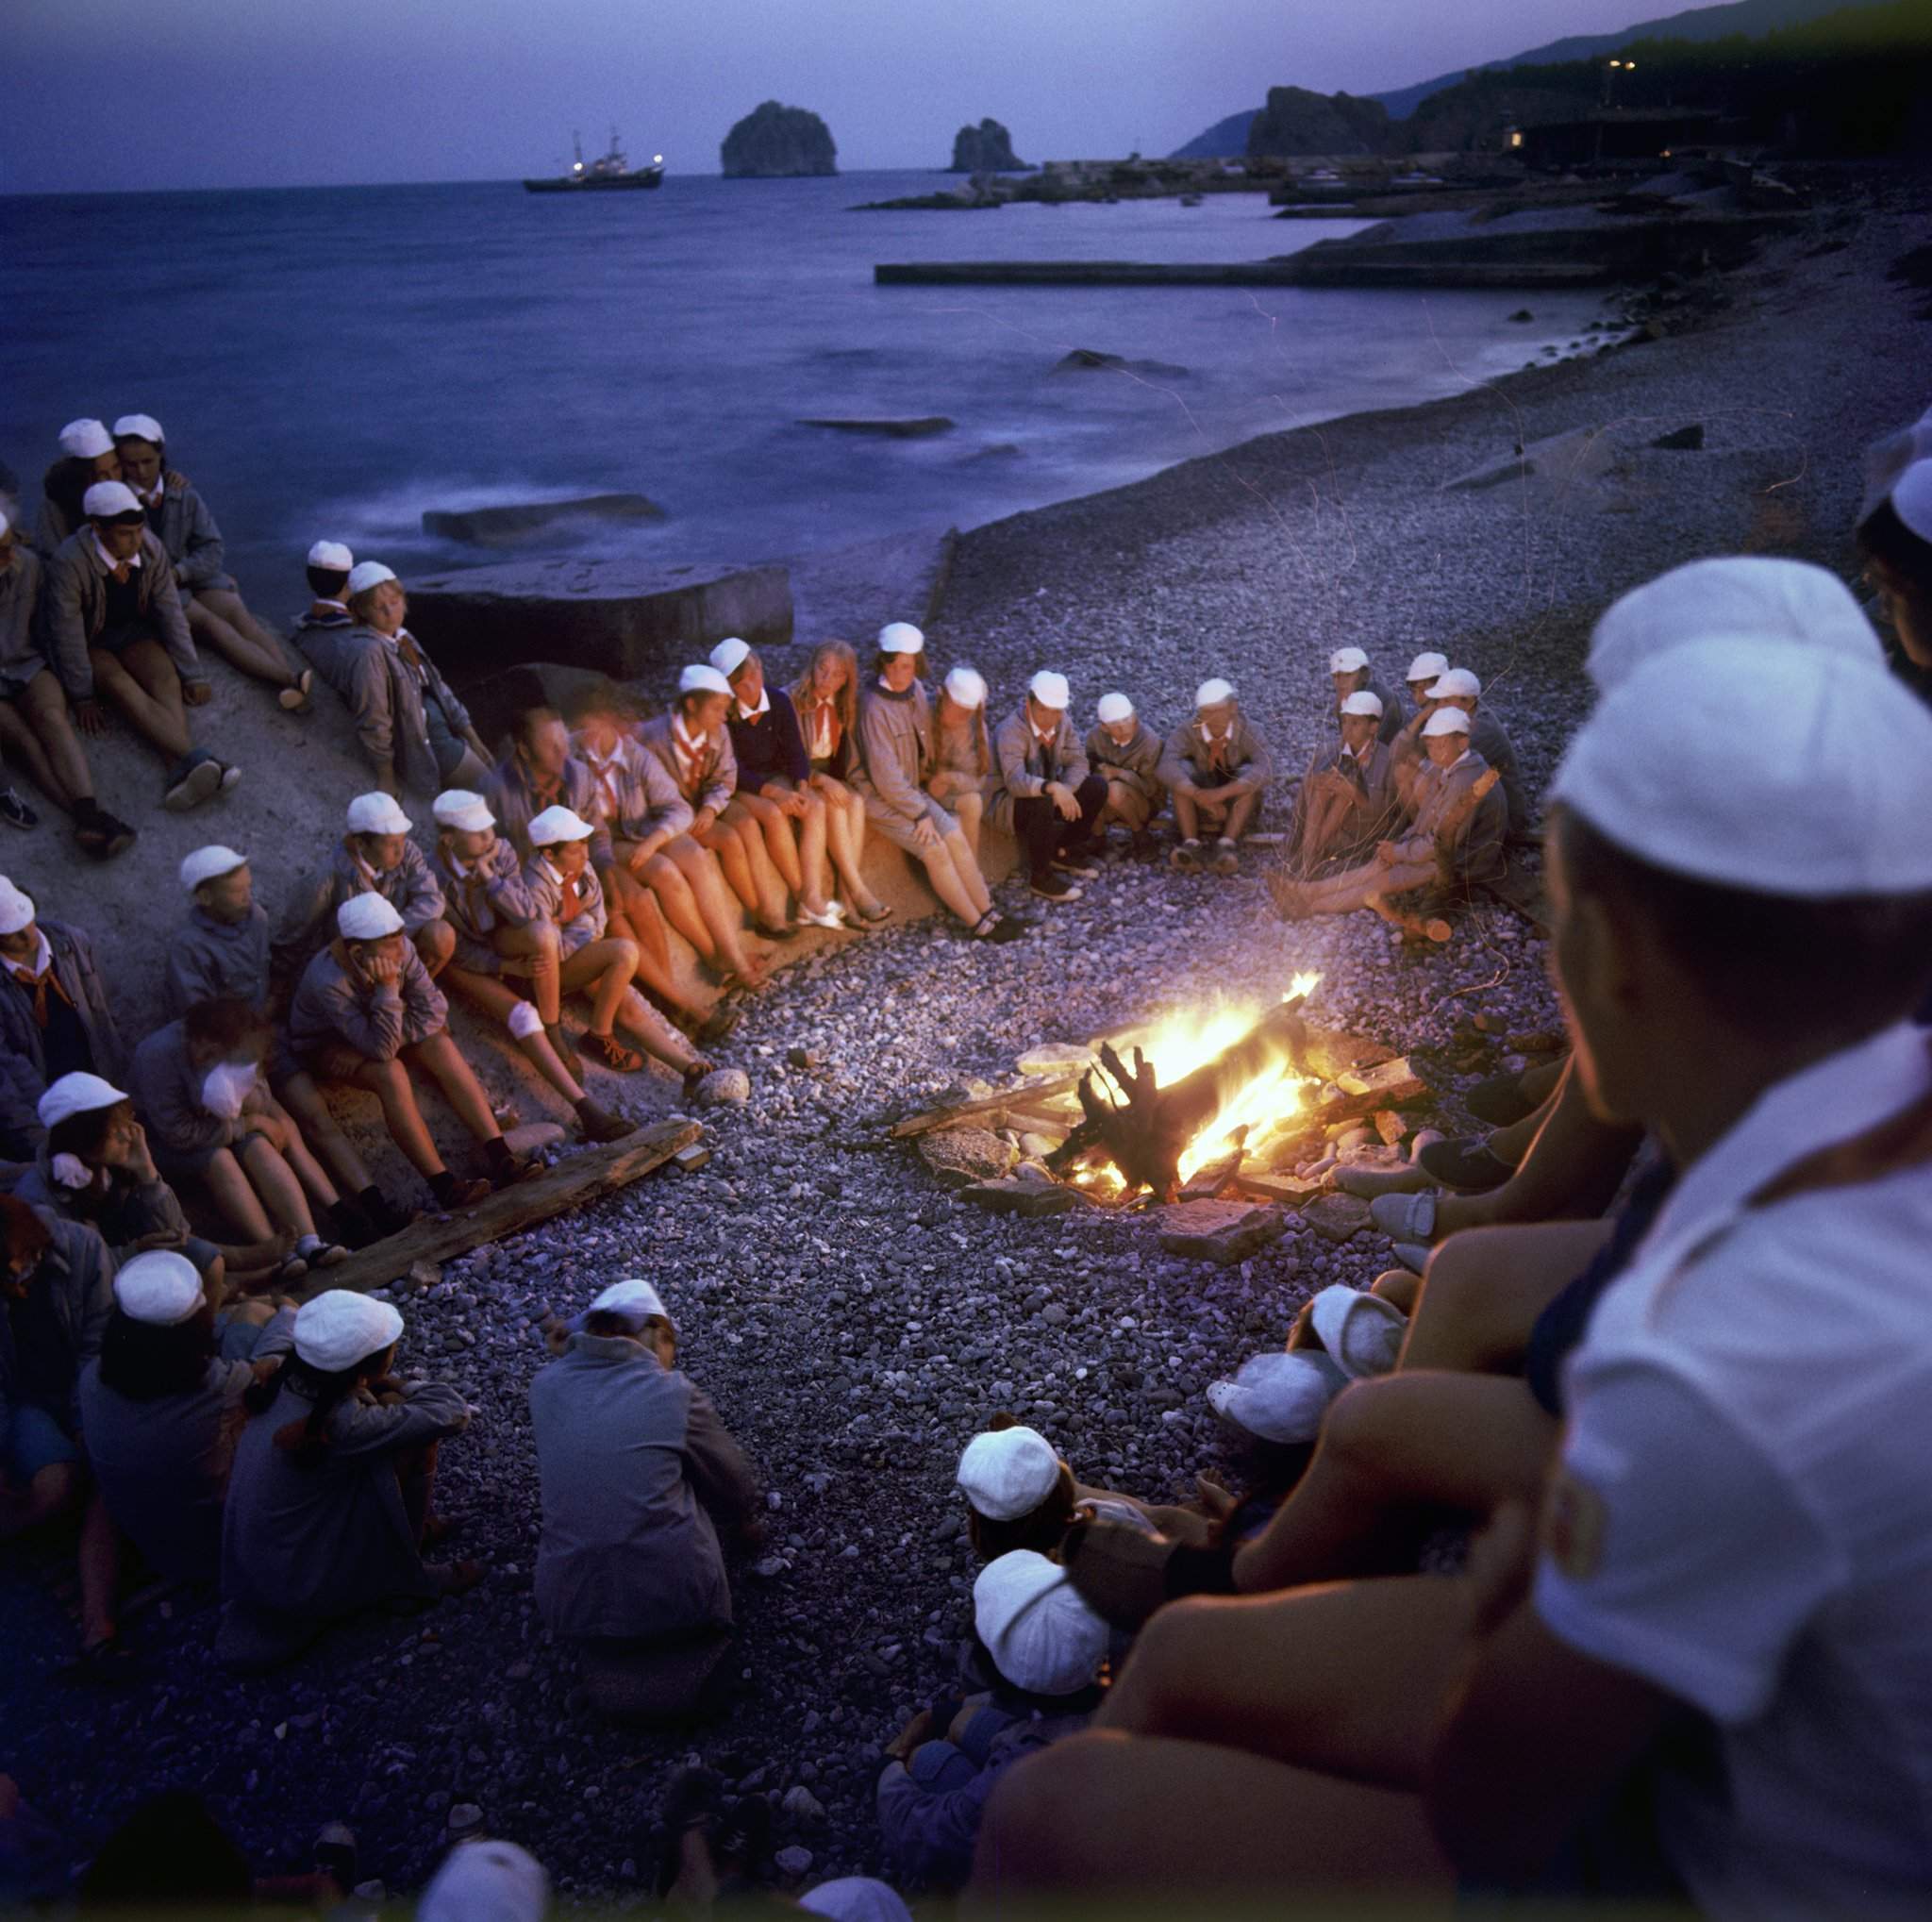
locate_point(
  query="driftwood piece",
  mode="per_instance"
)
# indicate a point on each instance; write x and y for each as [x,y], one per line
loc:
[988,1104]
[572,1182]
[1207,1181]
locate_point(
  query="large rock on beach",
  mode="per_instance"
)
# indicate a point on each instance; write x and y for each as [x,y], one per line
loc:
[776,143]
[1030,1199]
[1560,460]
[961,1156]
[511,525]
[1223,1232]
[628,619]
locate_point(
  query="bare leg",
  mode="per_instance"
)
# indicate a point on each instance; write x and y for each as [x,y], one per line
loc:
[19,740]
[438,1057]
[722,916]
[674,896]
[775,830]
[275,1182]
[603,970]
[1241,815]
[160,722]
[240,1205]
[316,1184]
[100,1569]
[643,1023]
[770,906]
[631,898]
[944,873]
[814,831]
[845,840]
[970,811]
[51,1492]
[724,841]
[1390,1449]
[44,704]
[1485,1289]
[499,1001]
[389,1082]
[1186,816]
[305,1100]
[534,948]
[228,605]
[434,942]
[213,627]
[972,882]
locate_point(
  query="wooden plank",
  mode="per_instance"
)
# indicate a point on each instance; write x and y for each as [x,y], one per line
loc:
[969,1110]
[1276,1187]
[1208,1182]
[570,1183]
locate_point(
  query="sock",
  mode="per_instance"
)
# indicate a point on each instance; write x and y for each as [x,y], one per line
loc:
[442,1183]
[308,1245]
[499,1152]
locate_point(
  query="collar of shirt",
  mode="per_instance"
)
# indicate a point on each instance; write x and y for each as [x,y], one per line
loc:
[764,706]
[1361,752]
[151,500]
[370,878]
[107,561]
[33,970]
[1214,740]
[1456,763]
[334,607]
[462,871]
[549,867]
[692,750]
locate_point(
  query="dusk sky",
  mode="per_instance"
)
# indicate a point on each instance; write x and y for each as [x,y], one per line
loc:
[116,94]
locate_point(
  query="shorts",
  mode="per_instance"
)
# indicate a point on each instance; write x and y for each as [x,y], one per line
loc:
[899,831]
[950,784]
[335,1061]
[119,639]
[12,685]
[35,1440]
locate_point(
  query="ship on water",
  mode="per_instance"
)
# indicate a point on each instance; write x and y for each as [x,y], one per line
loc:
[604,174]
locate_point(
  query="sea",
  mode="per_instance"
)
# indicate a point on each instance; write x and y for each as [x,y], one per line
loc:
[332,362]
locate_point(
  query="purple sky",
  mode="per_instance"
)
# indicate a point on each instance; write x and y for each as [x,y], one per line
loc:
[113,94]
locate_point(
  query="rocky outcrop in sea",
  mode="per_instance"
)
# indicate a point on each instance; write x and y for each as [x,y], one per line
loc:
[986,148]
[776,143]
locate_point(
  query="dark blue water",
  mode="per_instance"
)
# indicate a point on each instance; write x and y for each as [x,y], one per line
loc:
[330,362]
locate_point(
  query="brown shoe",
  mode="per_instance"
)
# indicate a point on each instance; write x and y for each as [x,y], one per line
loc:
[607,1051]
[599,1125]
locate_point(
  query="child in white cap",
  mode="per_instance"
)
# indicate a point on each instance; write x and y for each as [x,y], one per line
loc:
[1895,538]
[116,634]
[36,726]
[319,629]
[1048,798]
[1461,687]
[1216,767]
[366,1012]
[87,454]
[1126,753]
[826,698]
[330,1500]
[217,615]
[960,776]
[1349,673]
[373,855]
[895,750]
[1347,802]
[415,733]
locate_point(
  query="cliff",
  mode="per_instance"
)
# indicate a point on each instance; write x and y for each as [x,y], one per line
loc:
[778,142]
[986,148]
[1298,121]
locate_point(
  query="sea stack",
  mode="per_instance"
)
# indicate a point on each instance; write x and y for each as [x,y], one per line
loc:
[778,142]
[986,148]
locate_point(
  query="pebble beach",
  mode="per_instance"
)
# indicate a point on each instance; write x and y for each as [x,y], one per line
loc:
[853,1322]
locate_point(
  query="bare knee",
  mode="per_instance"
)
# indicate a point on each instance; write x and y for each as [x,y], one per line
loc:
[436,941]
[1043,1804]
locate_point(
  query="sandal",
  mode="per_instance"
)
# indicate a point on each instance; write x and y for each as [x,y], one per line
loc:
[691,1801]
[295,700]
[872,917]
[607,1051]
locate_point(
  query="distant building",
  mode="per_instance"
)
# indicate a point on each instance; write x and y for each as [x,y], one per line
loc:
[1614,134]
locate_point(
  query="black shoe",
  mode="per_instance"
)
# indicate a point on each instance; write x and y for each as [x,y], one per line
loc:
[1467,1165]
[1051,887]
[350,1222]
[100,835]
[14,810]
[386,1218]
[1009,928]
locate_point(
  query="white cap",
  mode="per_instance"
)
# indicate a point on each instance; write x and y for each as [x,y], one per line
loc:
[338,1327]
[16,909]
[1280,1396]
[1211,694]
[1006,1473]
[367,917]
[138,427]
[1790,772]
[378,813]
[730,655]
[162,1288]
[85,440]
[333,556]
[1446,721]
[104,500]
[5,523]
[1114,707]
[1752,597]
[463,809]
[210,864]
[1912,498]
[966,687]
[1050,690]
[855,1899]
[1364,702]
[485,1881]
[635,1299]
[366,574]
[701,679]
[76,1095]
[901,637]
[1042,1637]
[1456,684]
[1348,660]
[1426,667]
[1361,1333]
[559,823]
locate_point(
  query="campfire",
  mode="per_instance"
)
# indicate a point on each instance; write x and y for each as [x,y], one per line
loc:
[1198,1103]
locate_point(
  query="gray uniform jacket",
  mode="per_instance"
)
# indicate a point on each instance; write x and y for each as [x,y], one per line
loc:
[629,1457]
[20,601]
[310,920]
[214,961]
[76,610]
[1491,740]
[1025,767]
[333,1006]
[493,894]
[1395,711]
[163,1464]
[325,1541]
[122,1214]
[21,1088]
[588,921]
[1245,763]
[1475,848]
[320,637]
[1137,765]
[188,532]
[413,723]
[166,1087]
[516,804]
[1382,810]
[895,749]
[716,779]
[78,1272]
[637,795]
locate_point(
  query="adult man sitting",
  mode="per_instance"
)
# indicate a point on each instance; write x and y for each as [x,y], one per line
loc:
[1347,800]
[637,1474]
[1215,767]
[1047,800]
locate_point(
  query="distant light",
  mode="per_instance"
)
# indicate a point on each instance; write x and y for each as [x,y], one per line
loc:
[1629,66]
[579,168]
[656,160]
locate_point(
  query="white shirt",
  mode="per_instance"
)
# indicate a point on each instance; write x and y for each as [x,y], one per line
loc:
[107,561]
[1745,1515]
[765,707]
